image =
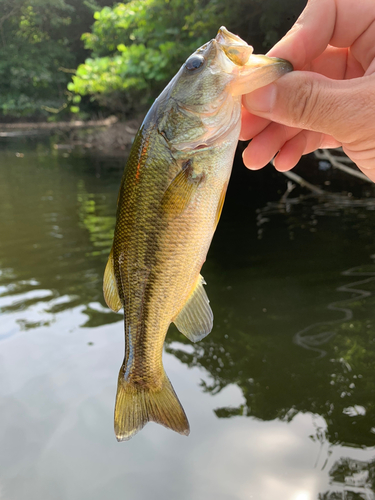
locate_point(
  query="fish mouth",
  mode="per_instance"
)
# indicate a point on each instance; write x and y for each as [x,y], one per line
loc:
[250,71]
[236,49]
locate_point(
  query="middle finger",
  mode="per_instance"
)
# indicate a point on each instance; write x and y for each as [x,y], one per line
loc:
[265,145]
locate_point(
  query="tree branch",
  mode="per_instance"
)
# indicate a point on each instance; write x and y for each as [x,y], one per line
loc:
[296,178]
[7,16]
[338,162]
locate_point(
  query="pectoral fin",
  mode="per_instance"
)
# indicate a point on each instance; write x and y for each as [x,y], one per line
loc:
[180,192]
[195,320]
[111,295]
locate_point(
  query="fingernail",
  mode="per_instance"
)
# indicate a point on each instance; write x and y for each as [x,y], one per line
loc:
[261,100]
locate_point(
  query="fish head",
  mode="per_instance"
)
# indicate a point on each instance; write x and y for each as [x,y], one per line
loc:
[207,90]
[226,64]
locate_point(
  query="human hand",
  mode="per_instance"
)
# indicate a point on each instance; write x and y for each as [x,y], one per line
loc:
[330,101]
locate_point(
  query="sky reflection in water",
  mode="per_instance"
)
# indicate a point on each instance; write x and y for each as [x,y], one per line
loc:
[280,396]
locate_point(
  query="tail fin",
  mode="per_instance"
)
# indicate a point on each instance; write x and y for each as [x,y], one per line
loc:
[136,405]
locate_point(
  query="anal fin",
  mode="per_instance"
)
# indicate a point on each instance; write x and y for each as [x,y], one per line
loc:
[195,320]
[110,291]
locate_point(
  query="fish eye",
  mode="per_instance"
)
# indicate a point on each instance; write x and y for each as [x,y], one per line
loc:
[194,62]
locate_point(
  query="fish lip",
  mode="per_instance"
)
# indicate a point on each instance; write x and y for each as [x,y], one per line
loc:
[258,72]
[260,61]
[225,37]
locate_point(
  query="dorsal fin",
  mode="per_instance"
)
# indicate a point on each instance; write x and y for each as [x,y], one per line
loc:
[195,320]
[110,291]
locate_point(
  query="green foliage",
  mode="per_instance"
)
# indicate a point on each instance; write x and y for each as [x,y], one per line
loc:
[136,47]
[38,42]
[29,55]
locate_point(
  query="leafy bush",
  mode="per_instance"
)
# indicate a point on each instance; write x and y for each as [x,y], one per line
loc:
[136,47]
[39,42]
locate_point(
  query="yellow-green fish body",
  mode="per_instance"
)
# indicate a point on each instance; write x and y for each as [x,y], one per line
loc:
[170,201]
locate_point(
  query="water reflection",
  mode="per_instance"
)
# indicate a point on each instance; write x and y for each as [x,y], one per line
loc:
[280,396]
[332,375]
[351,479]
[100,227]
[55,234]
[311,337]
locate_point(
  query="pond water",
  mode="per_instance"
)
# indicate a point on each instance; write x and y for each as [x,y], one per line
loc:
[280,396]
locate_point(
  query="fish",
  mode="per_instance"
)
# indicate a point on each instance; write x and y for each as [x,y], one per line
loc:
[171,196]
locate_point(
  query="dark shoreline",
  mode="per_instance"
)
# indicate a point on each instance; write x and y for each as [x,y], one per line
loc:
[105,137]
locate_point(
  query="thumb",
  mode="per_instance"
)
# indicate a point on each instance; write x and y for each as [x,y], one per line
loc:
[342,109]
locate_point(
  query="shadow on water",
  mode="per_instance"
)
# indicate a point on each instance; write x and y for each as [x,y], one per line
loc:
[291,281]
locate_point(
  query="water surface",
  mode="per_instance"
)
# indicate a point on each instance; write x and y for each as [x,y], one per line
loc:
[280,396]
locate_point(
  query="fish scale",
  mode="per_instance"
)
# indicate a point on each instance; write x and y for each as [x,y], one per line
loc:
[170,201]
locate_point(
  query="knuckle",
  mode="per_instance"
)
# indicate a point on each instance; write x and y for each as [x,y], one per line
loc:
[305,104]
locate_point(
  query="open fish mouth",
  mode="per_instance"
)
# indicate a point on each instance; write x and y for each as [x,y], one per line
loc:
[251,71]
[236,49]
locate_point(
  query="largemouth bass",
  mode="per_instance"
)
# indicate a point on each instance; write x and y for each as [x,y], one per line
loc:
[170,201]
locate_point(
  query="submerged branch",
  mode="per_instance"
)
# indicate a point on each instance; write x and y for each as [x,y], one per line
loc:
[296,178]
[299,180]
[338,162]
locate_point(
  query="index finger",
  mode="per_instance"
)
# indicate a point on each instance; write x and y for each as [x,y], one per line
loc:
[251,125]
[322,23]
